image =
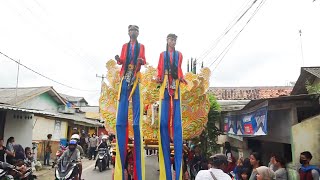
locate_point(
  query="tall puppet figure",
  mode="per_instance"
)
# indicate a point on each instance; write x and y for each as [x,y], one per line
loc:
[131,58]
[170,76]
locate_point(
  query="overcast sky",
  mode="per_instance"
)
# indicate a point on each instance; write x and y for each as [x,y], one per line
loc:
[70,41]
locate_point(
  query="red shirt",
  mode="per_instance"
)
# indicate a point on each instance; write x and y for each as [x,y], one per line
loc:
[161,66]
[123,57]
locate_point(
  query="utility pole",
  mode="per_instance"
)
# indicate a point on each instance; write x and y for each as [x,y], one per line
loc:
[191,69]
[102,80]
[16,98]
[194,66]
[188,66]
[300,33]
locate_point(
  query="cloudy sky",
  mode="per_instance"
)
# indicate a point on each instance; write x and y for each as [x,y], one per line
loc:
[70,41]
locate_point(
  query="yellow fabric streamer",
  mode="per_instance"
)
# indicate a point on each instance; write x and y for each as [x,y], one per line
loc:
[135,84]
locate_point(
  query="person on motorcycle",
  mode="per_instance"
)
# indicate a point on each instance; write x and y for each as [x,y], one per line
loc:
[77,138]
[104,144]
[72,154]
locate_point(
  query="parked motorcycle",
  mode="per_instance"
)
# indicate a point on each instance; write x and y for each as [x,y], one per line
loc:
[103,159]
[58,154]
[11,172]
[66,170]
[4,169]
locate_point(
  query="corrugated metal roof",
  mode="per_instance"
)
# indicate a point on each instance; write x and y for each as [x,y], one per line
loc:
[75,117]
[15,108]
[307,74]
[8,95]
[73,98]
[89,109]
[313,70]
[78,117]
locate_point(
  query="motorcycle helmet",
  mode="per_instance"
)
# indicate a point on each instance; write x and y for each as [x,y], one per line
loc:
[72,145]
[104,137]
[75,137]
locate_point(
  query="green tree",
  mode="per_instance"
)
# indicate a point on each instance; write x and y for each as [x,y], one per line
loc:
[313,89]
[208,138]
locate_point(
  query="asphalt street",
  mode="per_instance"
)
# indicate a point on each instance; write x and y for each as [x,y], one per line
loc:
[89,173]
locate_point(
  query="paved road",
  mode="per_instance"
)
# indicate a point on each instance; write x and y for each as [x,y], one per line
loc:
[89,173]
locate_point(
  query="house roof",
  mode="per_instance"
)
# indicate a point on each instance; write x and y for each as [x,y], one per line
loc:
[94,109]
[15,108]
[232,105]
[307,74]
[313,70]
[79,117]
[73,98]
[8,95]
[253,103]
[249,93]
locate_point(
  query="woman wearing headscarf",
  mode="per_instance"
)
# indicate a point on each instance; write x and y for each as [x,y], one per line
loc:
[264,173]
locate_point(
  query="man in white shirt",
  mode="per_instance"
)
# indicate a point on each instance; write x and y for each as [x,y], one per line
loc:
[219,165]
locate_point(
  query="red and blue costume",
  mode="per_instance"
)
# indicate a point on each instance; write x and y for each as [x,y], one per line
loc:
[131,59]
[170,123]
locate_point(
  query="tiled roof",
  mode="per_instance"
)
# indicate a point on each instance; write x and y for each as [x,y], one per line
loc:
[249,93]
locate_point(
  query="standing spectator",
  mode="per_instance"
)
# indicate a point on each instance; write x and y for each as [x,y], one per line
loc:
[231,159]
[196,162]
[93,143]
[272,162]
[244,173]
[10,148]
[255,161]
[228,151]
[308,172]
[75,130]
[48,150]
[3,151]
[217,172]
[28,154]
[280,165]
[264,173]
[83,143]
[88,144]
[238,168]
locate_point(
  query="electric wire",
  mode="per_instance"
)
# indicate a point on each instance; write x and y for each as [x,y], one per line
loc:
[44,76]
[225,51]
